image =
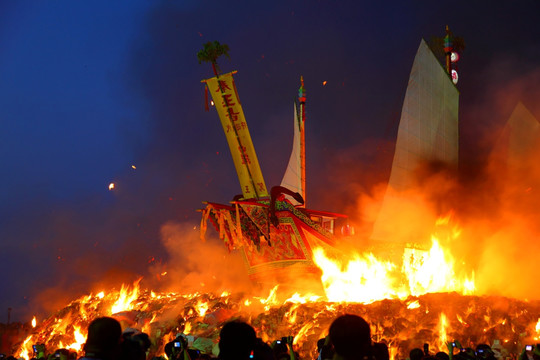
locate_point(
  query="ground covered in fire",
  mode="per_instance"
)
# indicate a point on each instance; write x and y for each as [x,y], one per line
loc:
[402,324]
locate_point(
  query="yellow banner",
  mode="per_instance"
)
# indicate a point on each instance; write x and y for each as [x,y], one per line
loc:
[230,112]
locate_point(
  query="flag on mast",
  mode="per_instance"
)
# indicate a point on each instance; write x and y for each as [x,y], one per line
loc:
[223,91]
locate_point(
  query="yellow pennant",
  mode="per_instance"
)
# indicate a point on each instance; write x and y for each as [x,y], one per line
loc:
[223,91]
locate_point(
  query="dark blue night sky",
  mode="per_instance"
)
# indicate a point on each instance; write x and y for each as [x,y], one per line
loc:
[90,88]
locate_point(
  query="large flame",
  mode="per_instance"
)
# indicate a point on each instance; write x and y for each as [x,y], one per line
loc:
[365,278]
[126,298]
[354,283]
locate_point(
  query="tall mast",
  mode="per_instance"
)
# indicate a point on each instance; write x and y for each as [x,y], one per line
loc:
[448,47]
[302,101]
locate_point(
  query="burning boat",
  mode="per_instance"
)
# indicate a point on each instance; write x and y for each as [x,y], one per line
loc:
[428,137]
[403,316]
[275,231]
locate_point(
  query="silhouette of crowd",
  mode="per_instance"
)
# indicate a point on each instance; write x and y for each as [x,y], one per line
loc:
[349,338]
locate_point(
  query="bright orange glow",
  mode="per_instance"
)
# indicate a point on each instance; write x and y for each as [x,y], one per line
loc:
[34,322]
[26,349]
[443,337]
[364,278]
[80,339]
[126,299]
[413,305]
[305,317]
[433,271]
[202,307]
[111,186]
[270,300]
[537,330]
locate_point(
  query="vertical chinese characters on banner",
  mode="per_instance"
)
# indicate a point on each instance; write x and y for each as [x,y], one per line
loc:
[223,91]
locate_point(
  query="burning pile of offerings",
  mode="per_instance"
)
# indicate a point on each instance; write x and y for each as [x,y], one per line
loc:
[402,324]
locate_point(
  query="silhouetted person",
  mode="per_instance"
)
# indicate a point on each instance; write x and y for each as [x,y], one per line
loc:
[442,356]
[104,338]
[483,351]
[263,351]
[236,341]
[135,344]
[380,351]
[416,354]
[351,337]
[325,349]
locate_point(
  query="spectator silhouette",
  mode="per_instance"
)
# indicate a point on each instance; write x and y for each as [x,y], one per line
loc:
[135,344]
[442,356]
[236,341]
[416,354]
[351,337]
[380,351]
[104,339]
[483,351]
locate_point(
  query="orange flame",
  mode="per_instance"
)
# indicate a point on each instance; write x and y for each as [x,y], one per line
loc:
[80,339]
[443,338]
[34,322]
[202,307]
[26,349]
[126,298]
[364,278]
[433,271]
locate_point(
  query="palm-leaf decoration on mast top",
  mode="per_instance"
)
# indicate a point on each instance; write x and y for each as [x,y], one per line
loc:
[211,52]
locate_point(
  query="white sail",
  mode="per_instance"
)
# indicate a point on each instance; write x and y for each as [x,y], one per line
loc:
[519,139]
[292,179]
[428,131]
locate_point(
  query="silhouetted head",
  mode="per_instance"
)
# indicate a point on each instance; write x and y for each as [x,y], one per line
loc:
[236,341]
[416,354]
[380,351]
[351,337]
[442,356]
[104,335]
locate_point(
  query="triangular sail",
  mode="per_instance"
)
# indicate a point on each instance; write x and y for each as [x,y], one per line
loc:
[292,179]
[520,136]
[428,132]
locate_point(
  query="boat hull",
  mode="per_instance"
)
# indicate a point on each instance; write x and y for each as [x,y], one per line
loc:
[275,250]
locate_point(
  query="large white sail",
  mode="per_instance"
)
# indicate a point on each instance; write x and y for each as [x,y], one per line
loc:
[428,131]
[292,179]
